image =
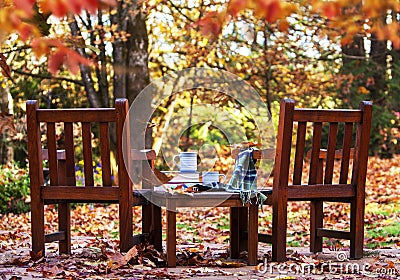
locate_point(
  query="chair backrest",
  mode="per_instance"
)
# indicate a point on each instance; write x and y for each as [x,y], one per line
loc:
[293,130]
[69,139]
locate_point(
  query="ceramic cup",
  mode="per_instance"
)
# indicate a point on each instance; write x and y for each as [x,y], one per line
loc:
[187,161]
[212,177]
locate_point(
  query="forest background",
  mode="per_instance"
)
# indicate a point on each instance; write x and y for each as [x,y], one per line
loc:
[88,53]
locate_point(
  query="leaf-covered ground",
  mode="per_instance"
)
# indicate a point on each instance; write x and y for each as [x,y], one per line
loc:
[203,237]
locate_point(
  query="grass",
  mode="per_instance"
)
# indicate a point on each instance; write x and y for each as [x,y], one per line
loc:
[114,234]
[385,231]
[380,235]
[294,243]
[382,209]
[184,226]
[371,245]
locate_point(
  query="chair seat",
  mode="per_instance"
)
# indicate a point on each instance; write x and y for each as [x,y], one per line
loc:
[201,199]
[109,195]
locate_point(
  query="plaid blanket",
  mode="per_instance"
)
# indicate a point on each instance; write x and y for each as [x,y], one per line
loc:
[244,177]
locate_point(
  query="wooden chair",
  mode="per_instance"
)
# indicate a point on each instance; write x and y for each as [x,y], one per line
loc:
[62,189]
[320,186]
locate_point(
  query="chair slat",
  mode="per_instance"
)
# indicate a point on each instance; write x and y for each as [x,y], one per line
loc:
[52,153]
[87,153]
[330,159]
[143,154]
[316,146]
[326,115]
[76,115]
[105,154]
[70,154]
[355,152]
[344,168]
[298,161]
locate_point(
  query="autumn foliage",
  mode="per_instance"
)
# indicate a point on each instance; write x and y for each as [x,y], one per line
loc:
[16,16]
[346,18]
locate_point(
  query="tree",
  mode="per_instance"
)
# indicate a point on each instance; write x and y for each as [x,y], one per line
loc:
[109,47]
[281,48]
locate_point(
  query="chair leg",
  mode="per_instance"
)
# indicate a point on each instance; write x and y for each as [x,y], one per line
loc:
[279,228]
[234,232]
[253,235]
[146,218]
[64,224]
[125,226]
[243,228]
[316,221]
[37,223]
[156,231]
[171,234]
[238,225]
[357,228]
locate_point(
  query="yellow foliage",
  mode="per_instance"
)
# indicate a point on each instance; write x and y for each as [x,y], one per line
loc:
[362,90]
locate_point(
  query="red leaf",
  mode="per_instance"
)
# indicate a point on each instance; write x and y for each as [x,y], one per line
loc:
[211,24]
[331,9]
[57,7]
[73,59]
[60,8]
[107,3]
[56,60]
[91,5]
[75,6]
[25,30]
[25,5]
[235,6]
[271,10]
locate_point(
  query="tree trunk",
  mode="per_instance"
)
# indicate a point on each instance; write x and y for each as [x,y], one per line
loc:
[86,75]
[131,72]
[138,71]
[120,51]
[379,52]
[130,60]
[353,55]
[353,52]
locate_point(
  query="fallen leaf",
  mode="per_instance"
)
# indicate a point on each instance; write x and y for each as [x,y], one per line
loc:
[36,256]
[116,259]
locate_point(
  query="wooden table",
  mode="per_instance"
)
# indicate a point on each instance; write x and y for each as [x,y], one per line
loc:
[243,218]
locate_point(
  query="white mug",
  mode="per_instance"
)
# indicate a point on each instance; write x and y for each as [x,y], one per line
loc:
[187,161]
[212,177]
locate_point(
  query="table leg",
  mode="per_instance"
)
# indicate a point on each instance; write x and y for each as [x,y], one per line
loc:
[238,230]
[253,235]
[171,233]
[157,227]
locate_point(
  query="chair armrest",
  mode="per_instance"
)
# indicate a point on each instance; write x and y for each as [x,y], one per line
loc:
[143,154]
[324,152]
[257,154]
[60,154]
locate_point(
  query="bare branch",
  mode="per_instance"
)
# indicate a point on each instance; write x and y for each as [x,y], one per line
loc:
[179,10]
[41,76]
